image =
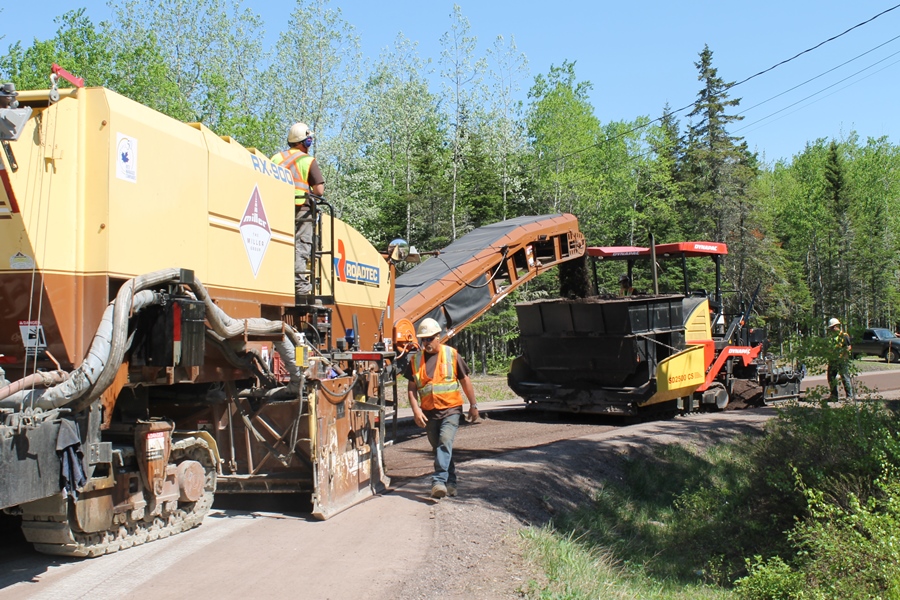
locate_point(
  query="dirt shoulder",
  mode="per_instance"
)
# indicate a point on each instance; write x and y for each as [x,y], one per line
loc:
[476,550]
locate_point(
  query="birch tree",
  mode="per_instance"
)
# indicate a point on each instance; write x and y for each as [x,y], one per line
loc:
[508,68]
[461,72]
[391,127]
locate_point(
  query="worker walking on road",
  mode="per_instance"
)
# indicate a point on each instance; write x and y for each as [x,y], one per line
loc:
[307,178]
[839,360]
[438,377]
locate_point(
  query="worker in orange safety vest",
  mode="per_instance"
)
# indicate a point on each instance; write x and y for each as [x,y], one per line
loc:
[307,178]
[438,378]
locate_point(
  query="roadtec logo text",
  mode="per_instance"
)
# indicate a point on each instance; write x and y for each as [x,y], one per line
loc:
[353,272]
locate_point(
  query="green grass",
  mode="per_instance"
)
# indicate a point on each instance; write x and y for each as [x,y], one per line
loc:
[649,536]
[575,570]
[873,363]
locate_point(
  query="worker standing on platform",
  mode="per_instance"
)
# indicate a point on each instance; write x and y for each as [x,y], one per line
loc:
[438,377]
[307,178]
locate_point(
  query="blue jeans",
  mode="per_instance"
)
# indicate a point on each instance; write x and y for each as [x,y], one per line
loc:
[441,433]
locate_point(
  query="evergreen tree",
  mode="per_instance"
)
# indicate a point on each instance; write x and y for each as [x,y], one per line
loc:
[719,171]
[483,185]
[712,154]
[837,202]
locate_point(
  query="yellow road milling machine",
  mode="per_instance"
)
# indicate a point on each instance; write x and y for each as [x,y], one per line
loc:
[152,350]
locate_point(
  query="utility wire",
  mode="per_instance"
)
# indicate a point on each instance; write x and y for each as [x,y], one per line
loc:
[728,87]
[840,81]
[822,74]
[799,54]
[822,98]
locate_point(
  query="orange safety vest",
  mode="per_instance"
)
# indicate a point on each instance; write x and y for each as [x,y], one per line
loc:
[298,163]
[442,390]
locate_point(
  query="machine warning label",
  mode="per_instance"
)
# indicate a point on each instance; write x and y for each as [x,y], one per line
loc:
[126,157]
[21,261]
[156,445]
[33,337]
[255,230]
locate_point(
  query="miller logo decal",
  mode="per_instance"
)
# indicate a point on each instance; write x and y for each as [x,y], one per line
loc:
[126,157]
[255,230]
[353,272]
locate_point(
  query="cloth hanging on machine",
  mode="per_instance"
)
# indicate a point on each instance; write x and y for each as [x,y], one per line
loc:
[71,457]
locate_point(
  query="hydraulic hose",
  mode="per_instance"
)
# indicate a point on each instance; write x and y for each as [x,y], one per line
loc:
[228,328]
[110,342]
[132,297]
[105,355]
[41,379]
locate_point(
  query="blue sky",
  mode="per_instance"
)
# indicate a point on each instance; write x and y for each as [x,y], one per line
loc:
[640,55]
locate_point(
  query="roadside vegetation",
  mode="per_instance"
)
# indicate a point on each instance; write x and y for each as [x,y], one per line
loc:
[808,509]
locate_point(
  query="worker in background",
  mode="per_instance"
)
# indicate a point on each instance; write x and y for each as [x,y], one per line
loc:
[8,95]
[625,287]
[438,377]
[839,360]
[307,178]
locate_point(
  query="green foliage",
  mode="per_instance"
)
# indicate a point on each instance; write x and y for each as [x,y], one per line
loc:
[211,55]
[833,210]
[562,126]
[851,551]
[816,495]
[816,352]
[78,46]
[843,550]
[772,579]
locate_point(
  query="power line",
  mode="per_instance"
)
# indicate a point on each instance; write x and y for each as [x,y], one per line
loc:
[831,39]
[734,85]
[760,120]
[821,74]
[840,81]
[823,97]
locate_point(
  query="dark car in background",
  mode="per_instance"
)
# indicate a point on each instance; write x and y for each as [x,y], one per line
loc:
[878,342]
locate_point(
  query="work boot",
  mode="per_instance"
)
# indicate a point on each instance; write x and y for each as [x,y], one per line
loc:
[451,489]
[438,490]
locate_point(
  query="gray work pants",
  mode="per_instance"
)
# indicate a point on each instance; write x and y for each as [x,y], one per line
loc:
[303,231]
[842,371]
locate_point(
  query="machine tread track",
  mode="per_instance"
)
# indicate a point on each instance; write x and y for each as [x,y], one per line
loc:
[54,534]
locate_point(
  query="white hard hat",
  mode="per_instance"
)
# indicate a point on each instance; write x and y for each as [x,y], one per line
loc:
[833,323]
[428,328]
[299,132]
